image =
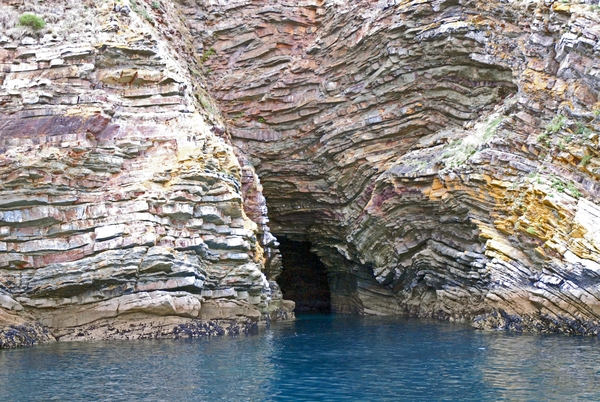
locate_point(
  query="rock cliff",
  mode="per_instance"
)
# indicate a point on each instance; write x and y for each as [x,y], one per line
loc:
[440,156]
[121,199]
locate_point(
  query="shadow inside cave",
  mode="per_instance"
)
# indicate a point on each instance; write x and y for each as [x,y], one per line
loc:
[303,278]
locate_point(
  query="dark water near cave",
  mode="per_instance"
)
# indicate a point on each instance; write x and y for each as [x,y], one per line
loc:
[317,358]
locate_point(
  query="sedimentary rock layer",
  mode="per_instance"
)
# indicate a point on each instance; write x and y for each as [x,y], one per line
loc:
[121,201]
[441,156]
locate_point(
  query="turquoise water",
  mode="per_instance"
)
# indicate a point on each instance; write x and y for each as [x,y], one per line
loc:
[317,358]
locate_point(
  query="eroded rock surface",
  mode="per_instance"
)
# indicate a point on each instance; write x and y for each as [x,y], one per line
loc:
[121,201]
[441,156]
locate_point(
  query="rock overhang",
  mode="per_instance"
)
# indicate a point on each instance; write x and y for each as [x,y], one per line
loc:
[122,212]
[408,142]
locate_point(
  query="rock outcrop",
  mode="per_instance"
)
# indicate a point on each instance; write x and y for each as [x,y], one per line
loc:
[121,201]
[441,156]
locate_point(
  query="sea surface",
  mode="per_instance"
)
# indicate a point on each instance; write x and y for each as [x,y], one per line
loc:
[316,358]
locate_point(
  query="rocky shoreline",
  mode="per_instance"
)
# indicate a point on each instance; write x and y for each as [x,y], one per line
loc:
[440,158]
[122,201]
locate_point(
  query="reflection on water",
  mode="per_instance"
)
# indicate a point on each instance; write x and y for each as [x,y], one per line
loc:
[325,358]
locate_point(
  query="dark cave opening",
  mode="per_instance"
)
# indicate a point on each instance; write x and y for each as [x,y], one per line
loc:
[303,278]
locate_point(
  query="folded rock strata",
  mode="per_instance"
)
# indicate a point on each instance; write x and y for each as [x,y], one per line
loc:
[441,156]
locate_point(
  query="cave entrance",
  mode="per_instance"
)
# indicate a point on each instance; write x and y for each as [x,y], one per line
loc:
[303,278]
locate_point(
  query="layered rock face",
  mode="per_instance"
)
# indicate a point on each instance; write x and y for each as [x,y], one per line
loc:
[441,156]
[121,200]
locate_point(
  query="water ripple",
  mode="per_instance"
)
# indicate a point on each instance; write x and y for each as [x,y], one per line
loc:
[317,358]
